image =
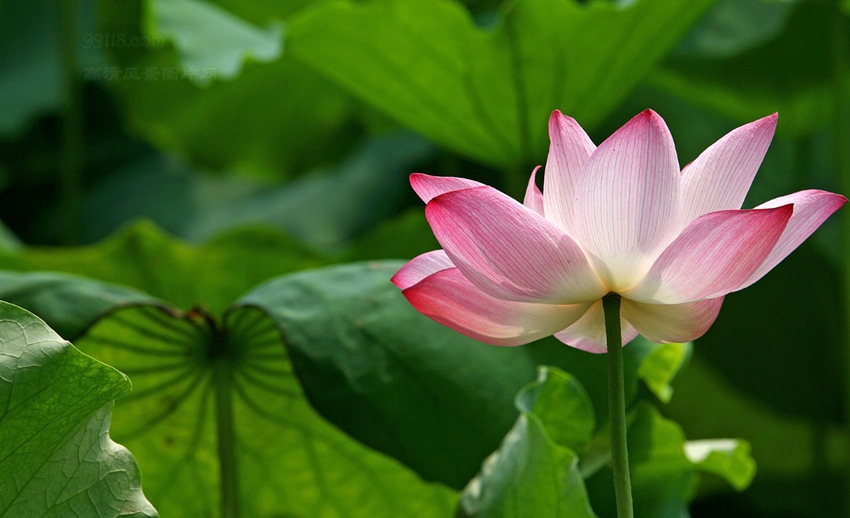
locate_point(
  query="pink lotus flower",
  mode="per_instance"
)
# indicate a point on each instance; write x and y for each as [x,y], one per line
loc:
[620,218]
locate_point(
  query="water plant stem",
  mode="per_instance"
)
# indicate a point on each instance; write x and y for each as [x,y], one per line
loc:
[222,378]
[617,407]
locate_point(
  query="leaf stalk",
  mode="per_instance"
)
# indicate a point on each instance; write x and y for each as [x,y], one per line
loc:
[222,378]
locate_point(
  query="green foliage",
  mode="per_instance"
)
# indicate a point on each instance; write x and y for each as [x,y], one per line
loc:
[70,303]
[641,362]
[665,475]
[727,458]
[734,26]
[172,419]
[529,476]
[56,457]
[791,74]
[190,369]
[665,468]
[145,258]
[733,412]
[407,235]
[660,366]
[234,403]
[343,400]
[487,93]
[366,358]
[207,36]
[276,121]
[536,471]
[559,401]
[354,196]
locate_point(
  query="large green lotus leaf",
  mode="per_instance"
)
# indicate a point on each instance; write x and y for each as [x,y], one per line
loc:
[389,376]
[69,304]
[56,457]
[218,413]
[535,471]
[665,469]
[488,92]
[405,385]
[354,196]
[274,119]
[143,257]
[792,74]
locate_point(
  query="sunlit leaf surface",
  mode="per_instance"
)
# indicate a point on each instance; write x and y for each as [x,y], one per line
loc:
[217,408]
[487,92]
[56,455]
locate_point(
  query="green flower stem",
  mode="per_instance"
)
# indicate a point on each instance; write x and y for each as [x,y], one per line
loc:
[617,407]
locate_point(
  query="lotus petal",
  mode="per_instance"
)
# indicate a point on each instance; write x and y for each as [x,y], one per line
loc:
[420,267]
[429,187]
[628,200]
[588,333]
[713,256]
[508,250]
[667,323]
[533,197]
[569,151]
[721,176]
[450,299]
[811,208]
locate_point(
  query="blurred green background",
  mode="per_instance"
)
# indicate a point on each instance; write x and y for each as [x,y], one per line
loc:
[307,116]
